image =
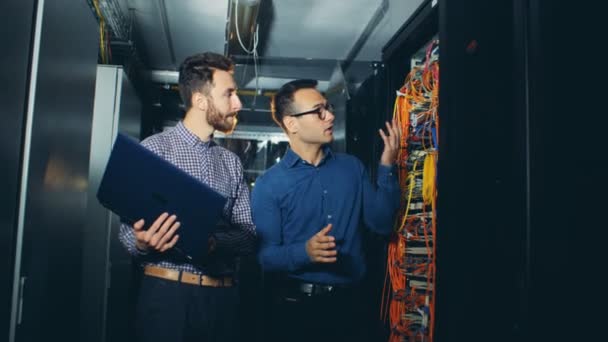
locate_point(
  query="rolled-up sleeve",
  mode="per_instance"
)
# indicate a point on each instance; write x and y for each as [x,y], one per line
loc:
[127,238]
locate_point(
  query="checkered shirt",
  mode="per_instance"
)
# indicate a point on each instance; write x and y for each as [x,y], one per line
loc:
[222,171]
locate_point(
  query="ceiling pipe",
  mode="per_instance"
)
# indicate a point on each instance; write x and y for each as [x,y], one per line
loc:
[162,6]
[246,23]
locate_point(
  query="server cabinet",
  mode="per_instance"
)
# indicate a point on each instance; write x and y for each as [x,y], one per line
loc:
[106,271]
[482,174]
[54,136]
[513,201]
[481,170]
[14,68]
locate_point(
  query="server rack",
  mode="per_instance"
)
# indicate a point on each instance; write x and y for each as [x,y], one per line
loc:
[505,219]
[14,67]
[479,247]
[51,77]
[413,62]
[107,282]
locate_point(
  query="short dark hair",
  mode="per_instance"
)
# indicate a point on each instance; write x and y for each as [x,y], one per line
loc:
[196,74]
[283,99]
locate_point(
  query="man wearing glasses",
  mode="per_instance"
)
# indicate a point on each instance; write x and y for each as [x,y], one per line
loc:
[307,210]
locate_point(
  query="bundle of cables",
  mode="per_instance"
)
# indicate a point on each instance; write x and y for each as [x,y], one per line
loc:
[105,52]
[408,295]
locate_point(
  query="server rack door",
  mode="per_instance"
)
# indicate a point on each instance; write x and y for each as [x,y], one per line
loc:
[63,79]
[13,70]
[567,171]
[106,267]
[481,170]
[482,175]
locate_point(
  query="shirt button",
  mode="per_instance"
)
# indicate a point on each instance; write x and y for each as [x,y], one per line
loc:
[329,217]
[325,191]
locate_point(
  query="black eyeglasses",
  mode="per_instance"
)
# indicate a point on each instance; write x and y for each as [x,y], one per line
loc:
[321,111]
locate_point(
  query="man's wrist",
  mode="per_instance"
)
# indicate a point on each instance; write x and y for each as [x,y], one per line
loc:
[387,163]
[140,247]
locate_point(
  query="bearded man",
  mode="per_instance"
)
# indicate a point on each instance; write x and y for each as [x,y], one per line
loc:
[179,300]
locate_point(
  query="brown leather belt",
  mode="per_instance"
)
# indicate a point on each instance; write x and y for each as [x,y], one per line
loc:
[187,277]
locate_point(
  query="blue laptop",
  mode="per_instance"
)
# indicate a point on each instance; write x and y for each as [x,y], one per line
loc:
[138,184]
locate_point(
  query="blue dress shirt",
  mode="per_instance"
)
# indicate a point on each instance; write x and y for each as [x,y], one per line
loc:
[293,200]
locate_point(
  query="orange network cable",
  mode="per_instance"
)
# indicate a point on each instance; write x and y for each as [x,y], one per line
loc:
[398,243]
[417,100]
[395,264]
[396,249]
[404,123]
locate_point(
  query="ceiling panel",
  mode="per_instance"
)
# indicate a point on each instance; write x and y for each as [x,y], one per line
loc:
[396,15]
[166,31]
[318,29]
[274,72]
[148,32]
[197,26]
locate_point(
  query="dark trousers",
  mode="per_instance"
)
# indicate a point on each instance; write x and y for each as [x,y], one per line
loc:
[335,316]
[172,311]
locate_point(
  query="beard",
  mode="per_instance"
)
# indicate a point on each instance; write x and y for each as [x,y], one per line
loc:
[221,122]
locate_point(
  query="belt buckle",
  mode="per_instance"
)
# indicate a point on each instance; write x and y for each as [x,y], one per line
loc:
[323,289]
[307,288]
[311,289]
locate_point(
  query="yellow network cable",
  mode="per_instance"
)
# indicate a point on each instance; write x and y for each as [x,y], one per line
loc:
[412,184]
[428,178]
[102,28]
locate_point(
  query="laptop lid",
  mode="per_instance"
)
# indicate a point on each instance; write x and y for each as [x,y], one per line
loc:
[137,183]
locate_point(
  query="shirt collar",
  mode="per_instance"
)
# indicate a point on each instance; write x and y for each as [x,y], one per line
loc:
[190,138]
[291,158]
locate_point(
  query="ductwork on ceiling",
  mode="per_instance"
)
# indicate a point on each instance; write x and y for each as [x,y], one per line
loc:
[312,30]
[168,77]
[295,39]
[242,26]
